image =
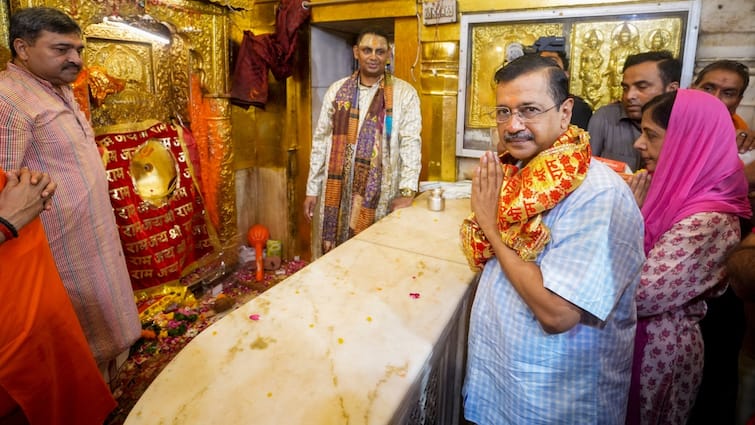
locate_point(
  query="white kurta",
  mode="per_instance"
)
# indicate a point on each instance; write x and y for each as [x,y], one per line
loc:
[401,155]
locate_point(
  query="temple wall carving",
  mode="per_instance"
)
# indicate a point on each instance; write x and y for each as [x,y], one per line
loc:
[181,77]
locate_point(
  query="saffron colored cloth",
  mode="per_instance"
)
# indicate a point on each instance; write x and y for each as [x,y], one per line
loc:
[683,269]
[45,362]
[46,131]
[259,54]
[526,194]
[401,155]
[519,374]
[94,83]
[739,122]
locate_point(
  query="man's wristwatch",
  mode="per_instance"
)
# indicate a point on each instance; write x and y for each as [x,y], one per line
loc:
[407,193]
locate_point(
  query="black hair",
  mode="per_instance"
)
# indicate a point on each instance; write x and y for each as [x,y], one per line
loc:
[558,84]
[564,59]
[726,65]
[661,106]
[670,68]
[27,23]
[372,30]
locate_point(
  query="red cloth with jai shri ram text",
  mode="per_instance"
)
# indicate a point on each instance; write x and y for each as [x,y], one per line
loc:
[46,366]
[163,240]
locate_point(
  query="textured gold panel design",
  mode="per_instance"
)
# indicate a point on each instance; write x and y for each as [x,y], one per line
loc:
[440,68]
[204,26]
[598,51]
[158,76]
[349,10]
[598,40]
[145,67]
[4,47]
[87,12]
[489,46]
[236,4]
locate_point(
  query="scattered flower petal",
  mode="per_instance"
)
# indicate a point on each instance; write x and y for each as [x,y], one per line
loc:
[414,295]
[255,316]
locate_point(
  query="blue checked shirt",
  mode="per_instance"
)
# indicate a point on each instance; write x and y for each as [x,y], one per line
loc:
[519,374]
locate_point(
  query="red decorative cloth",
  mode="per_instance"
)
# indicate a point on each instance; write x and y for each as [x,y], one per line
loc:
[162,221]
[259,54]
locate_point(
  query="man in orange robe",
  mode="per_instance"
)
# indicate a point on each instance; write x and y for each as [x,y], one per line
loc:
[47,372]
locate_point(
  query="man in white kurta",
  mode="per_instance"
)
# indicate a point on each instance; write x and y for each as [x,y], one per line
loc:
[399,145]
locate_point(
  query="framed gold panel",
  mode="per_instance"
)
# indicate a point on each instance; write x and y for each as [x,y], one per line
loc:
[598,40]
[142,63]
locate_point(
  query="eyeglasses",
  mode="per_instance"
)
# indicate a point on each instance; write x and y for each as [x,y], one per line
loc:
[502,114]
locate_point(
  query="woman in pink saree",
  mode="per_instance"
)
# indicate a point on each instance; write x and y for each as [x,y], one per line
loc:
[691,197]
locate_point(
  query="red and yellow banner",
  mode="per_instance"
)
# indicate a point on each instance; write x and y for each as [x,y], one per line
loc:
[162,220]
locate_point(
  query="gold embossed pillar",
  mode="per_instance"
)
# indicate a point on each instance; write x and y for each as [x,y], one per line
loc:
[440,82]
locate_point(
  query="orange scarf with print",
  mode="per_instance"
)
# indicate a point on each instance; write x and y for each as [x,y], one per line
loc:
[527,193]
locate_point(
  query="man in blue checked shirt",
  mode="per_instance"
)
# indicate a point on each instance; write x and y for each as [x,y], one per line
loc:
[559,238]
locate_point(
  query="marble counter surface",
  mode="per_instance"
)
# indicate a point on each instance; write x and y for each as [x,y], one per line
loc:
[340,342]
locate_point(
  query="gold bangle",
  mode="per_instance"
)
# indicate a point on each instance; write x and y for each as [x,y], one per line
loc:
[407,193]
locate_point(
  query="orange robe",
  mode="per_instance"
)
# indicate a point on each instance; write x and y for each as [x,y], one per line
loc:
[46,365]
[739,123]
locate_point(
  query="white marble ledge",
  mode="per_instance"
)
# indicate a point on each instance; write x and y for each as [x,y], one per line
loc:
[417,229]
[339,342]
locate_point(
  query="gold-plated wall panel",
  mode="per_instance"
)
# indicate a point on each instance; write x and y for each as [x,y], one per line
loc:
[448,140]
[406,45]
[260,20]
[199,46]
[598,53]
[357,9]
[205,27]
[439,82]
[4,46]
[438,136]
[470,6]
[257,132]
[440,67]
[440,32]
[489,44]
[145,67]
[86,12]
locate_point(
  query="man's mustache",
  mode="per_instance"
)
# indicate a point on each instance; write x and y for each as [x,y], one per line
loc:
[72,65]
[519,135]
